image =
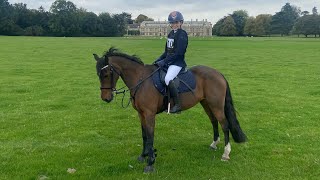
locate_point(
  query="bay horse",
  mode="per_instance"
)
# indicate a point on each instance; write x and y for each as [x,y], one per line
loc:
[212,91]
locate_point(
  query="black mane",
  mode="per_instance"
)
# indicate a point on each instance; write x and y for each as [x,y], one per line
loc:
[115,52]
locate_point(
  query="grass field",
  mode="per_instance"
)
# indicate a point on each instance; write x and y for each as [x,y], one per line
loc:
[52,118]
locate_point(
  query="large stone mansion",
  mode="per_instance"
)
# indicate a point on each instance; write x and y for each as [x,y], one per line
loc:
[162,28]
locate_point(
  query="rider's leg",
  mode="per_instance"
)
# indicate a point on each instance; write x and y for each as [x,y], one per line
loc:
[172,72]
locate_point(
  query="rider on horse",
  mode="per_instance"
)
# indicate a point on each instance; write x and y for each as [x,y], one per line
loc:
[173,56]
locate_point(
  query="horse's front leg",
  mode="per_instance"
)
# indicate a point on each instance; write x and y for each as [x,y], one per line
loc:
[143,155]
[147,127]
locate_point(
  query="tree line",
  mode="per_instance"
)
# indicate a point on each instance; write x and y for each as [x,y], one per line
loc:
[63,19]
[290,20]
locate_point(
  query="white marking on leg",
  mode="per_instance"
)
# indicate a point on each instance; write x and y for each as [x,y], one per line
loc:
[227,150]
[214,143]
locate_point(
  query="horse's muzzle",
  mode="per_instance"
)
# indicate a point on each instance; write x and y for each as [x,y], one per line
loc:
[107,99]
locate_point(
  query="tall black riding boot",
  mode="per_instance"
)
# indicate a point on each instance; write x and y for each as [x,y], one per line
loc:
[174,94]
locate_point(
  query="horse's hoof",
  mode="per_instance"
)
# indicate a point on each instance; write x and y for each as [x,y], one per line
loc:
[225,158]
[141,159]
[148,169]
[213,147]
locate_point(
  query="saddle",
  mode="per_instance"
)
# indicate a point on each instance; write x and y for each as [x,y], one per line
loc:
[185,81]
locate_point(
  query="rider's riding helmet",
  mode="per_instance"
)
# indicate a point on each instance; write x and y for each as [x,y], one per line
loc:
[175,16]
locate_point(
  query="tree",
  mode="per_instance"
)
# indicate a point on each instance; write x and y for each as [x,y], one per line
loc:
[228,27]
[282,22]
[121,22]
[22,15]
[107,25]
[42,18]
[277,23]
[34,31]
[216,29]
[307,25]
[249,28]
[88,23]
[263,24]
[5,8]
[314,11]
[7,25]
[62,6]
[142,18]
[240,18]
[128,17]
[64,21]
[303,13]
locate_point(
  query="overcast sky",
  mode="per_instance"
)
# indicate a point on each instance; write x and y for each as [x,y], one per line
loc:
[212,10]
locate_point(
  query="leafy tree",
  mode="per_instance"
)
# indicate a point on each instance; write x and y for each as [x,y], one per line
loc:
[121,23]
[216,29]
[107,25]
[282,22]
[34,31]
[142,18]
[263,24]
[5,8]
[62,6]
[249,28]
[277,23]
[88,23]
[42,18]
[240,18]
[128,18]
[307,25]
[22,15]
[228,27]
[7,25]
[303,13]
[64,21]
[314,11]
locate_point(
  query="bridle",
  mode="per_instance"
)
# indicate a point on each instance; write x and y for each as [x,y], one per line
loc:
[122,90]
[112,70]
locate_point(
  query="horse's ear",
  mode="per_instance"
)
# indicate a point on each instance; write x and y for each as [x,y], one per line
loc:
[96,57]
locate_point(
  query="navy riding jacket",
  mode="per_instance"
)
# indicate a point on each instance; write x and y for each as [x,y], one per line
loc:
[175,49]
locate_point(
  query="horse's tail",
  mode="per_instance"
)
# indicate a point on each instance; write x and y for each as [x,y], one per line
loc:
[233,122]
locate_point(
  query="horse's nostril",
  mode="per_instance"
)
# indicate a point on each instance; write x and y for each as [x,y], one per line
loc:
[107,100]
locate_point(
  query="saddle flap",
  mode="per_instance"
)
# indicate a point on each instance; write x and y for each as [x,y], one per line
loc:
[185,81]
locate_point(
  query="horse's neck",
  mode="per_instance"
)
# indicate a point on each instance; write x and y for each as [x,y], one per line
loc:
[131,72]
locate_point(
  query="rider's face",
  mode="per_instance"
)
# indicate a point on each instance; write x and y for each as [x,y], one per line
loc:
[175,25]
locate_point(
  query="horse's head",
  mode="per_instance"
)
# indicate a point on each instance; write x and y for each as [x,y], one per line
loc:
[108,77]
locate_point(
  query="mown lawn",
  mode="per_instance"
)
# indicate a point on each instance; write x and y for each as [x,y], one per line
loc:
[52,118]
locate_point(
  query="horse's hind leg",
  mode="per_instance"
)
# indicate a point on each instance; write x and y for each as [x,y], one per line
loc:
[216,112]
[214,122]
[219,114]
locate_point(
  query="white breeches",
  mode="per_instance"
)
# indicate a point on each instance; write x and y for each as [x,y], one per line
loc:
[172,72]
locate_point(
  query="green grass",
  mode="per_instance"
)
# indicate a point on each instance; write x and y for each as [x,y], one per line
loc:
[52,118]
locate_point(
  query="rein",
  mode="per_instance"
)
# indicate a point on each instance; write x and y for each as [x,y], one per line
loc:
[122,90]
